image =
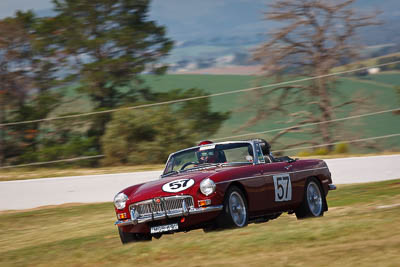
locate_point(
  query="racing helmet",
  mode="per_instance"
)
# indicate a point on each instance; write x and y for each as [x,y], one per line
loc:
[205,142]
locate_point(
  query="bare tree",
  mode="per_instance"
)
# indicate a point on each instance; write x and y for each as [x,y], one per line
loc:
[314,36]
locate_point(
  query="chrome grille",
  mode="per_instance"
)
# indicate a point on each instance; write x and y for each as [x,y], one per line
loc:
[168,206]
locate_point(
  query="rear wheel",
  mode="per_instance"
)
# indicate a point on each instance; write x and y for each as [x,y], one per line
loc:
[313,200]
[127,237]
[235,212]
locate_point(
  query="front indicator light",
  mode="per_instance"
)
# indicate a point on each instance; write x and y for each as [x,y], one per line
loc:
[122,216]
[203,203]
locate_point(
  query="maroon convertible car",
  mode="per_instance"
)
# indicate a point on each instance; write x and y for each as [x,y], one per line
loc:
[220,185]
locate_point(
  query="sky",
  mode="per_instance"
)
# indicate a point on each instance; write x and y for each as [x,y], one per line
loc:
[173,13]
[193,20]
[8,7]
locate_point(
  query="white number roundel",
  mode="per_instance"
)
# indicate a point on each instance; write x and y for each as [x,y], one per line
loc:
[178,185]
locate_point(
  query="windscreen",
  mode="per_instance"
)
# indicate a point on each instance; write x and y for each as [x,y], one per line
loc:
[209,155]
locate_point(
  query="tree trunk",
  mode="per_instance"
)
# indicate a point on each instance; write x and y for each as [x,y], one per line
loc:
[326,112]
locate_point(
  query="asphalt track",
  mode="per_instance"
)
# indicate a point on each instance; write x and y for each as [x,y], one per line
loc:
[27,194]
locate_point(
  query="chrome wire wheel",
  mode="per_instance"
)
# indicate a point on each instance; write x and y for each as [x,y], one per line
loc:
[314,199]
[237,209]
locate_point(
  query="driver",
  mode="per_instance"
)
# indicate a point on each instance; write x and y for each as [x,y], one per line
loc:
[206,156]
[202,156]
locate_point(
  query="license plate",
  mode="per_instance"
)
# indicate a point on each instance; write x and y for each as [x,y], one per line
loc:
[164,228]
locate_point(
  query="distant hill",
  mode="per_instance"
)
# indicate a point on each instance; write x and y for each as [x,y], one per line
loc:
[212,22]
[221,33]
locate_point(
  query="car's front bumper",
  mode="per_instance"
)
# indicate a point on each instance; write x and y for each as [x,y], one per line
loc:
[166,215]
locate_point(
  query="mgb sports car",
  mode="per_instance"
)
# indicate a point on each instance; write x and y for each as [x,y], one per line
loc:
[222,185]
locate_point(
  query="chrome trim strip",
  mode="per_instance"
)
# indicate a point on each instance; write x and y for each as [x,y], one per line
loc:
[310,169]
[169,215]
[261,176]
[244,178]
[332,187]
[206,209]
[123,223]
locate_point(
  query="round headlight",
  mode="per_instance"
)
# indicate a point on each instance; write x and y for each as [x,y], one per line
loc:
[207,186]
[120,201]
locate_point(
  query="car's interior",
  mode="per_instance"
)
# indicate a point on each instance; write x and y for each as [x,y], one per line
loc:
[269,158]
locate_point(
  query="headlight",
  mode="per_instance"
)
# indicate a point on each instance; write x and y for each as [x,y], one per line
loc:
[120,201]
[207,186]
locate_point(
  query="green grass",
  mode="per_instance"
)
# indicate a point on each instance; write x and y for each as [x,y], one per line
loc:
[355,231]
[390,78]
[379,92]
[380,97]
[347,195]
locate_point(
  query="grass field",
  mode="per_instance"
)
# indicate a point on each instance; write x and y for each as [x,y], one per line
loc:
[380,95]
[361,228]
[378,89]
[390,77]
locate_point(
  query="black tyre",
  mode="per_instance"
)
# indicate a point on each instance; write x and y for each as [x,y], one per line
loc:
[132,237]
[235,213]
[313,200]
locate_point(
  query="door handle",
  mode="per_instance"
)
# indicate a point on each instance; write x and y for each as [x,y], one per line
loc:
[288,167]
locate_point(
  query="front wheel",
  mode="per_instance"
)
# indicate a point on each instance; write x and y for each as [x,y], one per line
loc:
[313,200]
[127,237]
[235,212]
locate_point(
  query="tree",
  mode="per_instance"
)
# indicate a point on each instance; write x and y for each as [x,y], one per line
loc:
[196,114]
[143,137]
[314,36]
[25,74]
[101,47]
[106,45]
[149,135]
